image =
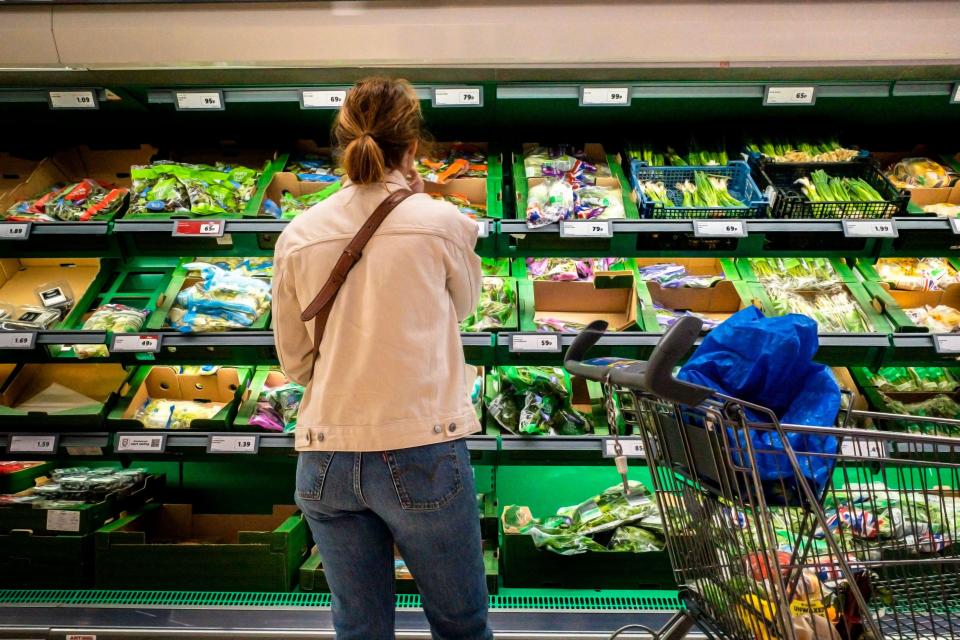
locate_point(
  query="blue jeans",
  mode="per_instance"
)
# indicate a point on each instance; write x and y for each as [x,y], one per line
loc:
[358,505]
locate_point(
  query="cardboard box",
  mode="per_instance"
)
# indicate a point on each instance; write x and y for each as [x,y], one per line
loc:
[894,302]
[13,171]
[107,165]
[878,400]
[169,547]
[164,382]
[918,195]
[21,277]
[611,296]
[284,182]
[98,382]
[34,561]
[942,195]
[718,302]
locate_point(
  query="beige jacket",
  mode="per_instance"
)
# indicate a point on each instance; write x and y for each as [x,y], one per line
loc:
[391,373]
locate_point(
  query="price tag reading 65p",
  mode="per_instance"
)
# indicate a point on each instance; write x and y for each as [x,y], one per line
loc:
[535,342]
[194,228]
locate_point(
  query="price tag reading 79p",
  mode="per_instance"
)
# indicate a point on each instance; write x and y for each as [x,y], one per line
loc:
[586,229]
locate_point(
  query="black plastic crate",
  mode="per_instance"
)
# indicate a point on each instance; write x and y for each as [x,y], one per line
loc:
[789,201]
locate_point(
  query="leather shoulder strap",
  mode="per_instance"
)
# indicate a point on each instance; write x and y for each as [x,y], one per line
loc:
[319,309]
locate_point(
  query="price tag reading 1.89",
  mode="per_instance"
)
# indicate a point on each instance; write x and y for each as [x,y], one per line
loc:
[535,342]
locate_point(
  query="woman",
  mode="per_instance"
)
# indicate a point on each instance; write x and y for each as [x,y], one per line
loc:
[380,431]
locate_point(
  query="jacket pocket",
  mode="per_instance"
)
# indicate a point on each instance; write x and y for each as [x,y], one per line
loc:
[426,478]
[311,472]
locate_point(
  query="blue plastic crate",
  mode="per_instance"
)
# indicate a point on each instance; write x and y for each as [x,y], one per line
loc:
[741,186]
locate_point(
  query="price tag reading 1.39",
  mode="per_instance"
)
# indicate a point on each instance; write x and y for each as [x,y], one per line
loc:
[535,342]
[222,443]
[719,229]
[869,229]
[204,228]
[586,229]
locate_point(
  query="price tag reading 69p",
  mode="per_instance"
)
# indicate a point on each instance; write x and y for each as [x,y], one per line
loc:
[719,229]
[535,342]
[197,228]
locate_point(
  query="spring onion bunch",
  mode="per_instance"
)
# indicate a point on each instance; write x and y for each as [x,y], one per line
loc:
[827,151]
[821,187]
[706,191]
[694,157]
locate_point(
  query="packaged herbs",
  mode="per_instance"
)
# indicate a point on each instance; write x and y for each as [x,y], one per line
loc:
[78,202]
[71,487]
[290,206]
[173,187]
[535,401]
[497,302]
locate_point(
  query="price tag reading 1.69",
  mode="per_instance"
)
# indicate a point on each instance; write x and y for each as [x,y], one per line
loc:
[32,443]
[586,229]
[719,229]
[220,443]
[869,229]
[535,342]
[17,339]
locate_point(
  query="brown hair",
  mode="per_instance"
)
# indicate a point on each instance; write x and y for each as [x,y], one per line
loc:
[376,124]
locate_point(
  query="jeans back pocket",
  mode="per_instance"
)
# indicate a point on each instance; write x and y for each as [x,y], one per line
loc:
[426,478]
[311,471]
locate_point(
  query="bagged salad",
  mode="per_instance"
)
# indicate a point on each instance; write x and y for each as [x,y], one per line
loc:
[114,318]
[278,407]
[536,401]
[581,269]
[221,301]
[569,188]
[81,201]
[199,189]
[917,274]
[461,161]
[160,413]
[498,301]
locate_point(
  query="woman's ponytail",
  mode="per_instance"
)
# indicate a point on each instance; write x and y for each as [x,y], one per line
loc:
[363,160]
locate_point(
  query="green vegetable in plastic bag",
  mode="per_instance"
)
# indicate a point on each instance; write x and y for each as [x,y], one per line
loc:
[116,318]
[535,401]
[497,302]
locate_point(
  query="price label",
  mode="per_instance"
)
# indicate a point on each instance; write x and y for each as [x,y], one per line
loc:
[483,228]
[955,96]
[586,229]
[862,448]
[73,99]
[15,230]
[219,443]
[535,342]
[194,228]
[135,343]
[955,225]
[199,101]
[458,97]
[63,520]
[946,343]
[323,99]
[33,443]
[870,229]
[141,443]
[80,636]
[787,96]
[719,229]
[17,339]
[604,96]
[632,447]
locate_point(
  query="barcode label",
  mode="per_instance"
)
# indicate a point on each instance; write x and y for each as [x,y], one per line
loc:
[63,520]
[141,443]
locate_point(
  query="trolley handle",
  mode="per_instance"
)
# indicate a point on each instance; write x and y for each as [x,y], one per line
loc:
[656,374]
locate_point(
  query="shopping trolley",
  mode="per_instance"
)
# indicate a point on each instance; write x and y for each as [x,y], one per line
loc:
[871,551]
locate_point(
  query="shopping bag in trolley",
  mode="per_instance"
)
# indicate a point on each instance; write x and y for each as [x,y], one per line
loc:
[769,362]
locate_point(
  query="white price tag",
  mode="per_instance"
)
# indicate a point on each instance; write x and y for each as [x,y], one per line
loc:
[135,343]
[785,96]
[73,99]
[219,443]
[483,228]
[17,339]
[80,636]
[604,96]
[63,520]
[199,100]
[33,443]
[862,448]
[955,225]
[15,230]
[458,97]
[141,443]
[719,229]
[323,99]
[534,342]
[946,343]
[194,228]
[869,228]
[586,229]
[632,447]
[955,96]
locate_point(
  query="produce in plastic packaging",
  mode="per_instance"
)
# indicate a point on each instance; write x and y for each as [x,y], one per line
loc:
[497,302]
[938,319]
[795,273]
[834,309]
[115,318]
[610,521]
[277,408]
[72,487]
[548,202]
[568,268]
[174,414]
[221,300]
[290,206]
[462,161]
[462,202]
[913,379]
[943,209]
[30,317]
[535,401]
[314,168]
[917,274]
[547,325]
[666,318]
[827,151]
[173,187]
[675,276]
[564,159]
[262,266]
[910,173]
[78,202]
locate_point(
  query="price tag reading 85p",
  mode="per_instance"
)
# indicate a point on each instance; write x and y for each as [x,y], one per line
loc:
[719,229]
[535,342]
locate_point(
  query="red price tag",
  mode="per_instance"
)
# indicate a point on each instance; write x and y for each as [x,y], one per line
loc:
[206,228]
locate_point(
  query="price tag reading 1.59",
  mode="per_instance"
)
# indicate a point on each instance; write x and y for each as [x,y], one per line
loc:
[535,342]
[869,229]
[220,443]
[719,229]
[586,229]
[32,443]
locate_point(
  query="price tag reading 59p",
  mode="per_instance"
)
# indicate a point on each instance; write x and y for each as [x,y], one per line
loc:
[535,342]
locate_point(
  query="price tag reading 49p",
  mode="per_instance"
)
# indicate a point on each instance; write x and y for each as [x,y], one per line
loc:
[535,342]
[719,229]
[869,228]
[135,343]
[586,229]
[195,228]
[224,443]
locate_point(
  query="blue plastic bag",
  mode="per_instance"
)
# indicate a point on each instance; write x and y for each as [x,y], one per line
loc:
[769,362]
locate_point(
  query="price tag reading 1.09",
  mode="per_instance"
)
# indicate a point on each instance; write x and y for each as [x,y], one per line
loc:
[73,99]
[535,342]
[135,343]
[323,99]
[789,96]
[14,230]
[719,229]
[632,448]
[233,443]
[586,229]
[205,228]
[604,96]
[32,443]
[869,229]
[199,100]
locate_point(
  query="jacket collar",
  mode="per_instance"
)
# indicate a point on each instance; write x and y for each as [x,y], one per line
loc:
[394,177]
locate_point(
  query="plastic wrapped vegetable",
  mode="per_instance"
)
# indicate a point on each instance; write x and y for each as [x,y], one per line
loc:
[78,202]
[666,318]
[259,266]
[913,379]
[675,276]
[290,206]
[610,521]
[171,187]
[910,173]
[497,302]
[550,201]
[564,159]
[535,401]
[115,318]
[277,408]
[834,310]
[315,168]
[174,414]
[795,273]
[568,268]
[938,319]
[917,274]
[462,202]
[546,325]
[221,300]
[462,161]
